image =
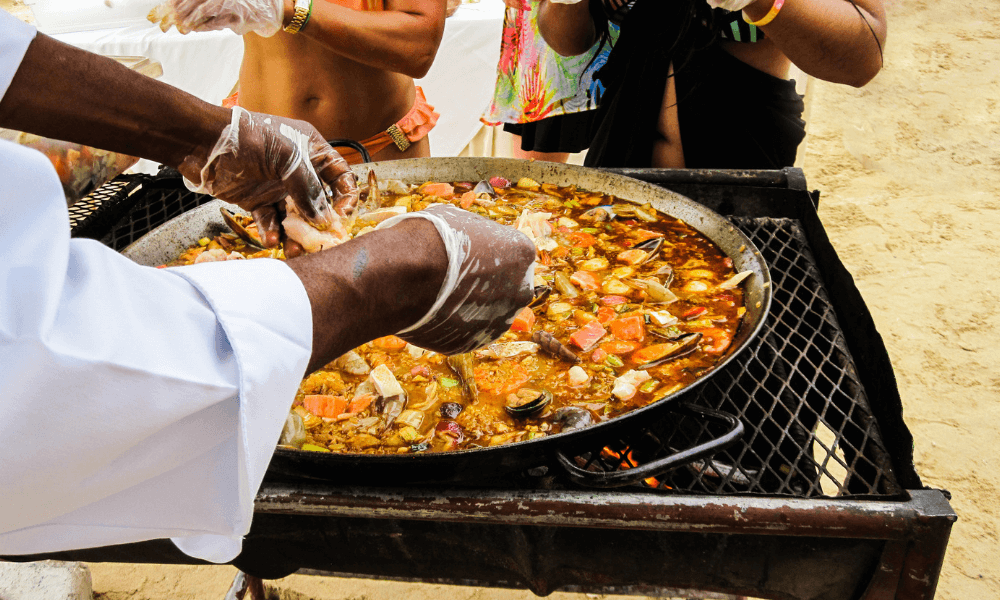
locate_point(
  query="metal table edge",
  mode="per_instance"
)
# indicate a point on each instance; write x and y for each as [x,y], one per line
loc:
[849,518]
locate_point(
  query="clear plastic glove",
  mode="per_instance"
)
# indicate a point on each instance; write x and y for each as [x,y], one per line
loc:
[263,17]
[260,160]
[730,5]
[491,271]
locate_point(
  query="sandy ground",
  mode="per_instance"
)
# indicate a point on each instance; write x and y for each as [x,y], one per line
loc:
[909,168]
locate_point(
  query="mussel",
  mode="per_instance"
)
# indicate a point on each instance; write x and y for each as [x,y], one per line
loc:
[666,272]
[599,214]
[542,293]
[463,365]
[484,187]
[548,342]
[570,418]
[680,347]
[390,408]
[646,212]
[657,294]
[651,246]
[239,230]
[527,402]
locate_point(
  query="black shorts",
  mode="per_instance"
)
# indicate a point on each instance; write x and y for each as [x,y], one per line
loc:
[561,133]
[733,116]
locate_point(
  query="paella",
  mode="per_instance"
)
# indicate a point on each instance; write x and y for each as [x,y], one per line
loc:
[630,306]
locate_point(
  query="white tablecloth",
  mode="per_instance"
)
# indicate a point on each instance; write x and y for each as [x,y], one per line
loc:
[459,84]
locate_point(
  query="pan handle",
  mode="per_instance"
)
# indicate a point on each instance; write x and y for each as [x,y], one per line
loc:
[346,143]
[662,465]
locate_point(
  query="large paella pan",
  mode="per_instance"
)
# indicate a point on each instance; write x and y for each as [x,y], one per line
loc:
[164,244]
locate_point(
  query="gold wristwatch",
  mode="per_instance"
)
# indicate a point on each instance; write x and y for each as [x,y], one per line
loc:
[303,9]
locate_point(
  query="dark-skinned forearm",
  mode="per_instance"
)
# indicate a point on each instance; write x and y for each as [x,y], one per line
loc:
[567,28]
[828,39]
[374,285]
[65,93]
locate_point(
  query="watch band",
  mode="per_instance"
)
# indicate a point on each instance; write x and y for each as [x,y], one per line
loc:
[303,10]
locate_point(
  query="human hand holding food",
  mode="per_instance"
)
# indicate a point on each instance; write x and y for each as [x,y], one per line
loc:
[263,17]
[260,160]
[490,277]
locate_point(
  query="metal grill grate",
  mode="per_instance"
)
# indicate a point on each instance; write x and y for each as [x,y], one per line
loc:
[92,215]
[161,201]
[809,428]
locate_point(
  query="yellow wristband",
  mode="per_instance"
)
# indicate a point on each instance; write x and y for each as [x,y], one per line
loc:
[768,17]
[303,10]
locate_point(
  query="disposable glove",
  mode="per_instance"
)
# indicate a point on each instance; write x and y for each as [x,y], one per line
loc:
[491,270]
[263,17]
[260,160]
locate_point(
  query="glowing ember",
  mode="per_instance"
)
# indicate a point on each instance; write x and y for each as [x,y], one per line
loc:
[627,462]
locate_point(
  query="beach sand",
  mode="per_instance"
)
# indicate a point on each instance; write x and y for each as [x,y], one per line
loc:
[908,168]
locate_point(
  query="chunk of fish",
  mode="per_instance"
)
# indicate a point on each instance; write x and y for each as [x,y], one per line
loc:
[507,349]
[310,238]
[628,384]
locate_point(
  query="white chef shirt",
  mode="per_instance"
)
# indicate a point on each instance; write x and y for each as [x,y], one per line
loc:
[135,403]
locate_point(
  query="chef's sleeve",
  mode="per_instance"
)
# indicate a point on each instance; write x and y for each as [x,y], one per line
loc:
[135,403]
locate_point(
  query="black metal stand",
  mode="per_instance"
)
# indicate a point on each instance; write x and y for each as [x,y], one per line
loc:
[885,540]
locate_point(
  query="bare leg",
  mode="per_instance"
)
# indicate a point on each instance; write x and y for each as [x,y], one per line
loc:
[668,151]
[560,157]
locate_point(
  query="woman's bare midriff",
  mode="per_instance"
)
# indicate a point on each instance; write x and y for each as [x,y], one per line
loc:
[295,77]
[668,149]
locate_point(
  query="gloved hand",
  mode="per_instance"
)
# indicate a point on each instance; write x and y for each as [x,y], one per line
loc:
[730,5]
[260,160]
[491,270]
[263,17]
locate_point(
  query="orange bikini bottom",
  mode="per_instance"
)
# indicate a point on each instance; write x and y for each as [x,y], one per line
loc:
[411,128]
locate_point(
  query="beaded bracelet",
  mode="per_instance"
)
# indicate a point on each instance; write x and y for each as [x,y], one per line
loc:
[768,17]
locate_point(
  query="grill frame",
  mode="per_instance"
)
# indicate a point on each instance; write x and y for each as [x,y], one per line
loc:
[859,547]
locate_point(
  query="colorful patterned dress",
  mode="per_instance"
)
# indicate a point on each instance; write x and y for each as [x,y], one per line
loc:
[534,82]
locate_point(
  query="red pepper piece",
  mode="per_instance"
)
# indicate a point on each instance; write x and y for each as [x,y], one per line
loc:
[694,312]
